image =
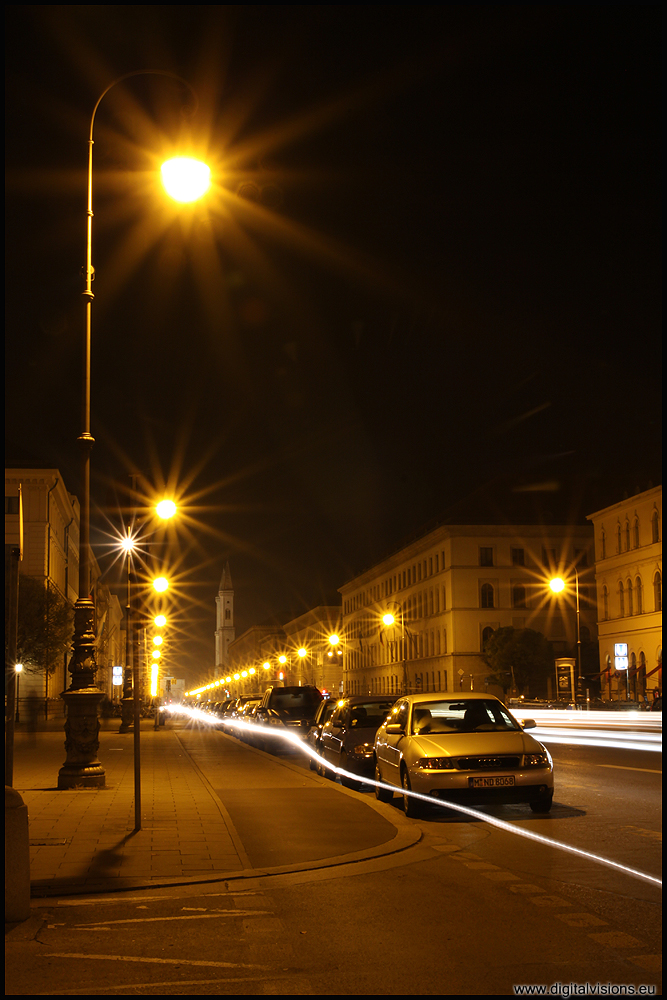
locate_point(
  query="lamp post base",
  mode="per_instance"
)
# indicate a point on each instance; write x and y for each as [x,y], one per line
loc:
[127,715]
[82,769]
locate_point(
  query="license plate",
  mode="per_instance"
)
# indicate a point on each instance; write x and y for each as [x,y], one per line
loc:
[495,782]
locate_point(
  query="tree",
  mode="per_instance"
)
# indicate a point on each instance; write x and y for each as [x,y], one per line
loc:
[44,627]
[521,657]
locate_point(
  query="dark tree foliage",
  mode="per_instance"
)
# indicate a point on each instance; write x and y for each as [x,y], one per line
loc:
[44,626]
[521,657]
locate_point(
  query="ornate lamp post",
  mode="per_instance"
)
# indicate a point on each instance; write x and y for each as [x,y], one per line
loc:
[82,769]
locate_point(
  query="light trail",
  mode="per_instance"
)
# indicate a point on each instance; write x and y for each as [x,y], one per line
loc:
[598,738]
[199,716]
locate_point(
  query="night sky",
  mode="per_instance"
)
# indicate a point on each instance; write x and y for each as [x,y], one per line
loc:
[425,283]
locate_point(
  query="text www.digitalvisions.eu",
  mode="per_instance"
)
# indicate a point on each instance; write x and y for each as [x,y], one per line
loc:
[584,989]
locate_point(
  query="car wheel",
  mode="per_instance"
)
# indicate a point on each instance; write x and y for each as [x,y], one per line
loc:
[542,805]
[411,806]
[350,783]
[382,794]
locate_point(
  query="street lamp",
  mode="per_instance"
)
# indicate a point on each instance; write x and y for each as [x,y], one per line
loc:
[557,585]
[82,768]
[389,619]
[18,668]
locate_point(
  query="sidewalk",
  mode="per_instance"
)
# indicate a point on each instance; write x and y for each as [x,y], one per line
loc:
[83,841]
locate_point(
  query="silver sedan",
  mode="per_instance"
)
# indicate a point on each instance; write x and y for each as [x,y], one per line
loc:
[463,748]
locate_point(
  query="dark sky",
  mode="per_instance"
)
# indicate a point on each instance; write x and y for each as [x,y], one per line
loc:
[428,272]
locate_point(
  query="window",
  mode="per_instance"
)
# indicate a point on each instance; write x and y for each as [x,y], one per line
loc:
[605,603]
[655,527]
[621,597]
[228,613]
[657,592]
[518,557]
[630,608]
[639,596]
[627,536]
[486,635]
[636,533]
[519,596]
[11,505]
[618,537]
[487,596]
[603,545]
[486,556]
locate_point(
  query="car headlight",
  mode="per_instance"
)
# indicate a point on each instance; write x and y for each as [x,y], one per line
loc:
[437,763]
[535,760]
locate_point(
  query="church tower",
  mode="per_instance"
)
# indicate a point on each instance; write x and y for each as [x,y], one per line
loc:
[224,622]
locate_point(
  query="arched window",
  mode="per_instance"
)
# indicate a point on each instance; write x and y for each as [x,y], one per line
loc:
[621,598]
[655,527]
[486,635]
[657,591]
[636,533]
[487,595]
[618,537]
[639,596]
[519,596]
[627,536]
[605,603]
[630,607]
[603,545]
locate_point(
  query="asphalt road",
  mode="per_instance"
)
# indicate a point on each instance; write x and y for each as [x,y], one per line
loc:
[468,910]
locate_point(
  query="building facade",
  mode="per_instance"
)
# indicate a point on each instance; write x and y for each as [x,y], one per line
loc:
[628,577]
[313,654]
[51,555]
[449,591]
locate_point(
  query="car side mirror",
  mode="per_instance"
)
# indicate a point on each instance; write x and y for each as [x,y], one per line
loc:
[528,724]
[393,729]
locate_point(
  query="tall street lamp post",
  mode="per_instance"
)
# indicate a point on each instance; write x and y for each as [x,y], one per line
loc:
[389,619]
[558,585]
[82,769]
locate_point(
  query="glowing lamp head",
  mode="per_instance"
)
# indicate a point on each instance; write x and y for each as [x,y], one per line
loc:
[557,585]
[165,509]
[157,640]
[266,666]
[160,621]
[156,654]
[18,667]
[282,659]
[185,179]
[302,652]
[334,639]
[161,584]
[388,619]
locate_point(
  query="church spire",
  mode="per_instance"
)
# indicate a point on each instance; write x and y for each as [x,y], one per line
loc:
[226,579]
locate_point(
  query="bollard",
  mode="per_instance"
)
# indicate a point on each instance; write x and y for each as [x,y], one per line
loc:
[17,858]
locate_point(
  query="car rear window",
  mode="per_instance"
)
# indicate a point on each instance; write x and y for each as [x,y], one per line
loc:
[370,715]
[295,700]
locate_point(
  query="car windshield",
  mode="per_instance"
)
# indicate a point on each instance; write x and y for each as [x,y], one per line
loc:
[370,715]
[463,715]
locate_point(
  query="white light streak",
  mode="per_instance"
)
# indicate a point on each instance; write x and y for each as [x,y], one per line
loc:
[500,824]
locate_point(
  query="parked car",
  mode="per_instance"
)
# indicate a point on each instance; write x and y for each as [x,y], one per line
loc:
[247,714]
[235,711]
[348,737]
[462,748]
[286,709]
[322,716]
